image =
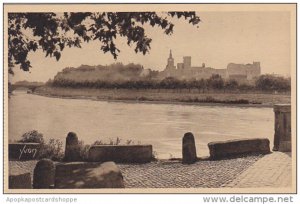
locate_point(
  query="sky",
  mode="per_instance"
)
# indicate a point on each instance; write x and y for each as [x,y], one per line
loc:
[220,38]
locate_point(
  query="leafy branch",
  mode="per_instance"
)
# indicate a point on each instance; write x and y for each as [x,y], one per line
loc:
[52,32]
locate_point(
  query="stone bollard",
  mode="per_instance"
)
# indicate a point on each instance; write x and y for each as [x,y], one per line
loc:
[72,150]
[44,173]
[282,136]
[189,155]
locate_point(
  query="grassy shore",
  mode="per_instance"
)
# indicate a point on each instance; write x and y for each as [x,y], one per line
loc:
[167,96]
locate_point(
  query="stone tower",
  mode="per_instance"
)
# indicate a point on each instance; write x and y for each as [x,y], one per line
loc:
[170,64]
[187,62]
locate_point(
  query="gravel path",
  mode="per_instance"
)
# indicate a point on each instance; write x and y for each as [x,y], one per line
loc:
[171,174]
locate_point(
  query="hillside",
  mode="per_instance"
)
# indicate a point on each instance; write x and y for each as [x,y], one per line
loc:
[112,73]
[28,83]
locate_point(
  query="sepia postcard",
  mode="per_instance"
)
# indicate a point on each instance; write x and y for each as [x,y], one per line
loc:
[149,98]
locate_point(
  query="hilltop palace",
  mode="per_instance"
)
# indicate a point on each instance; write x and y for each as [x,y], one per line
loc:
[185,70]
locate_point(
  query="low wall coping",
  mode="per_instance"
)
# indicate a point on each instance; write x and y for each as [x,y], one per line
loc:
[235,140]
[283,108]
[104,145]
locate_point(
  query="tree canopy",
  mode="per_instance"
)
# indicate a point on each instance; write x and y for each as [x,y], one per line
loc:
[52,32]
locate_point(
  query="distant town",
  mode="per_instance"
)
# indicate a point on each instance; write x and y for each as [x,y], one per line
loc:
[234,78]
[185,70]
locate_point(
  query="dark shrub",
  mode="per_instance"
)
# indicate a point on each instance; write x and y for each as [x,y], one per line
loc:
[215,82]
[84,150]
[32,136]
[52,150]
[273,83]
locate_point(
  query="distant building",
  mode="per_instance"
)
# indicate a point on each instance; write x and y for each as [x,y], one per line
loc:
[249,71]
[185,70]
[170,64]
[187,62]
[180,65]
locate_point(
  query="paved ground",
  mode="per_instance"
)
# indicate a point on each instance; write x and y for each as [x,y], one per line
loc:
[273,170]
[168,174]
[172,174]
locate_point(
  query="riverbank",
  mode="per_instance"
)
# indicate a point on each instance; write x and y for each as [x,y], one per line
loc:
[167,96]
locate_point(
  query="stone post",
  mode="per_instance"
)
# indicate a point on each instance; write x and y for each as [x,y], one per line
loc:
[189,155]
[72,150]
[282,136]
[44,174]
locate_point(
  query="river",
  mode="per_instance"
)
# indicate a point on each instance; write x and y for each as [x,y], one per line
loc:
[161,125]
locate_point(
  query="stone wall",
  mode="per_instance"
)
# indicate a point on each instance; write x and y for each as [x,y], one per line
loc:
[121,153]
[224,149]
[248,70]
[19,181]
[23,151]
